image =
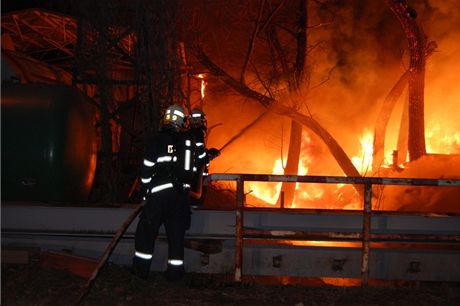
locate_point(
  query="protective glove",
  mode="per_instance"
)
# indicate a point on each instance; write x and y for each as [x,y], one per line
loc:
[212,153]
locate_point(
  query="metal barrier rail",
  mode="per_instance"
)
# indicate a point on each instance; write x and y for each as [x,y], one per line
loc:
[365,236]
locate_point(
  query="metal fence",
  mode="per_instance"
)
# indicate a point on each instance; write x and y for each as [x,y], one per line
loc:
[252,236]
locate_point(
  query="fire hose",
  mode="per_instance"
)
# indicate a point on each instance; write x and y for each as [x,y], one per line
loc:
[108,251]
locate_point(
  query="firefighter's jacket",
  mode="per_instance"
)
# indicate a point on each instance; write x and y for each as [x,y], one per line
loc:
[201,161]
[168,162]
[203,156]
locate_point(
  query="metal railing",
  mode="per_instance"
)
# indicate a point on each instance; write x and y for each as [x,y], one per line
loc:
[365,236]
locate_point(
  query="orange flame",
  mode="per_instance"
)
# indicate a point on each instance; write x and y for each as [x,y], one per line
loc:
[363,162]
[341,195]
[203,85]
[306,194]
[441,141]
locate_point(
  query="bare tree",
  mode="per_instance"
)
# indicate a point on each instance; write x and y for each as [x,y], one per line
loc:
[287,70]
[416,75]
[386,110]
[295,81]
[277,107]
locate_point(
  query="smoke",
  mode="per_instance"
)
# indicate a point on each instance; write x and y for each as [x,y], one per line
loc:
[366,47]
[442,78]
[256,150]
[369,50]
[362,54]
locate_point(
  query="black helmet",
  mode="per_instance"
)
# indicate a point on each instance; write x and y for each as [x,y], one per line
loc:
[197,119]
[174,116]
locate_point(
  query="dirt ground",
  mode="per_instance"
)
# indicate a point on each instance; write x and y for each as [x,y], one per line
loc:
[28,285]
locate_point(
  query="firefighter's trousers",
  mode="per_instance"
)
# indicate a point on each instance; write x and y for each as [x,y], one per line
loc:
[171,208]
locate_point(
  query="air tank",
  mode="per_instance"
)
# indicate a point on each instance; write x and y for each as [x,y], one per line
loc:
[48,143]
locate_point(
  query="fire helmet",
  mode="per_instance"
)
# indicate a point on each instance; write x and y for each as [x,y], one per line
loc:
[174,117]
[197,119]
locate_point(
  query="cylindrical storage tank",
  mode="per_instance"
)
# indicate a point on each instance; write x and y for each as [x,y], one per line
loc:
[48,143]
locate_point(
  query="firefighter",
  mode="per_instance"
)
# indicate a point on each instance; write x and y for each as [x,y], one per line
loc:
[166,175]
[203,156]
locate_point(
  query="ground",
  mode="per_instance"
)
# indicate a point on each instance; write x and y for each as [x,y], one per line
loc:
[31,284]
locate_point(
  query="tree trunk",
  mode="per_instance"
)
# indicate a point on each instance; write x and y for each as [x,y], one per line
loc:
[385,113]
[403,135]
[383,118]
[292,163]
[336,150]
[295,82]
[417,43]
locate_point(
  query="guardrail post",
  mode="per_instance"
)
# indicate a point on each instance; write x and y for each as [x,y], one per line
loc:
[366,234]
[239,229]
[282,199]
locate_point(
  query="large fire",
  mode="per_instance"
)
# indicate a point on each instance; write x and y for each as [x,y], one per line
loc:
[309,195]
[340,195]
[346,106]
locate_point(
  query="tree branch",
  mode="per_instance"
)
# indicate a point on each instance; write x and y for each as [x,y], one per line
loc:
[273,105]
[252,41]
[301,44]
[226,78]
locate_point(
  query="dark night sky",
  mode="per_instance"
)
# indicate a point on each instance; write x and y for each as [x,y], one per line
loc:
[54,5]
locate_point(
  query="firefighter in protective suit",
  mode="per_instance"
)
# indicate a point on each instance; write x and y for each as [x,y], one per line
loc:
[203,156]
[166,177]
